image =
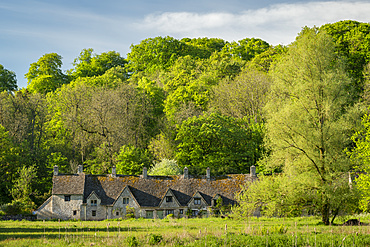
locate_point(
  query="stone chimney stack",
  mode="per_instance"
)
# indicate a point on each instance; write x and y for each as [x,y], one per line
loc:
[186,173]
[80,169]
[208,174]
[145,173]
[114,171]
[56,170]
[253,171]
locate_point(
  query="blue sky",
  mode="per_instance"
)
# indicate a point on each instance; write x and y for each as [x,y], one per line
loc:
[32,28]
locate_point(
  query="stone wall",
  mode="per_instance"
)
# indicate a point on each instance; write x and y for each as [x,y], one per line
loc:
[65,209]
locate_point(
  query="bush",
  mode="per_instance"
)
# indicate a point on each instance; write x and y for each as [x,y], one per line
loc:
[155,239]
[132,241]
[17,207]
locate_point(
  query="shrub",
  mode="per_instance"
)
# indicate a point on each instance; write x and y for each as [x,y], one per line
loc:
[155,239]
[132,241]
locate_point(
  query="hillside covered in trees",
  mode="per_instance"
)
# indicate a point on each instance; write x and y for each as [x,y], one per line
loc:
[295,110]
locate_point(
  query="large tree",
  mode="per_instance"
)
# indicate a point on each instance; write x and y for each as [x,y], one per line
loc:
[46,74]
[308,124]
[227,145]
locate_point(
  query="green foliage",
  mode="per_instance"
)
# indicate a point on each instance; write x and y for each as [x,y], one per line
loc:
[154,54]
[130,212]
[264,60]
[132,160]
[89,64]
[17,207]
[309,120]
[8,164]
[243,96]
[8,81]
[245,49]
[352,41]
[46,75]
[22,190]
[361,156]
[155,239]
[164,168]
[132,241]
[162,146]
[225,144]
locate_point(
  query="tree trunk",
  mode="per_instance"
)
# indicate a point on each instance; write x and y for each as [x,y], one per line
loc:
[325,213]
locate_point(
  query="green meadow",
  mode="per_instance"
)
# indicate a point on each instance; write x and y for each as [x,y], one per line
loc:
[301,231]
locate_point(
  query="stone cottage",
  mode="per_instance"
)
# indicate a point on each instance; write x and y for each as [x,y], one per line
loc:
[98,197]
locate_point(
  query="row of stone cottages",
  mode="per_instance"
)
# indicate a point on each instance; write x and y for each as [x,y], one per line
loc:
[98,197]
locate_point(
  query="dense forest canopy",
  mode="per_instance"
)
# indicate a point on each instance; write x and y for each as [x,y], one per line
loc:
[201,102]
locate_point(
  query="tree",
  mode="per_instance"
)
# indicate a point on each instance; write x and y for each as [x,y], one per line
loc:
[352,41]
[155,54]
[360,156]
[22,189]
[89,64]
[8,164]
[227,145]
[165,168]
[8,82]
[131,160]
[46,75]
[246,49]
[244,96]
[308,120]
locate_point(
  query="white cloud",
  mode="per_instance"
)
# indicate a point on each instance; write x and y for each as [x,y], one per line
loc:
[277,24]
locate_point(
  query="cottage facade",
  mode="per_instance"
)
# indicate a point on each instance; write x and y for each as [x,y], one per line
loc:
[98,197]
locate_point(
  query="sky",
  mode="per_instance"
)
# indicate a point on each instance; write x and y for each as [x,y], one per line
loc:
[31,28]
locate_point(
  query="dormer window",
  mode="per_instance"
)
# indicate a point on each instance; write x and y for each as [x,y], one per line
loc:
[67,198]
[168,198]
[126,200]
[197,201]
[94,202]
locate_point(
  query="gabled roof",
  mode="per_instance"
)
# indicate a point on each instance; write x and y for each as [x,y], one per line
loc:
[169,192]
[149,192]
[93,193]
[202,196]
[129,191]
[72,184]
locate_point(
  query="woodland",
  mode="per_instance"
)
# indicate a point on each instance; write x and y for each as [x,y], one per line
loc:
[299,113]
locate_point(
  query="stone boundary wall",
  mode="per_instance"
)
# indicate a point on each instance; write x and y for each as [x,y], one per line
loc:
[19,217]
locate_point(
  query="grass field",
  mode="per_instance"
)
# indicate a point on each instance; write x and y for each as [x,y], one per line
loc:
[302,231]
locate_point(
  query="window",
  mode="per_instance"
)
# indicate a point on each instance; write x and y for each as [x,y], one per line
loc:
[94,202]
[181,211]
[197,201]
[194,212]
[125,200]
[67,198]
[93,213]
[117,213]
[74,212]
[169,211]
[168,198]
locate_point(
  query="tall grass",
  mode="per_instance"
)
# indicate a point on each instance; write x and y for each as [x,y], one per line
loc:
[302,231]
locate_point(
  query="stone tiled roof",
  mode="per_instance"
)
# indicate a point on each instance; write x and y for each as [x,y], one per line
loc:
[149,192]
[71,184]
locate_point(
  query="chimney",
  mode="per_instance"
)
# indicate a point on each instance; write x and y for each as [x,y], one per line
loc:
[80,169]
[186,173]
[208,174]
[253,171]
[114,171]
[56,170]
[145,173]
